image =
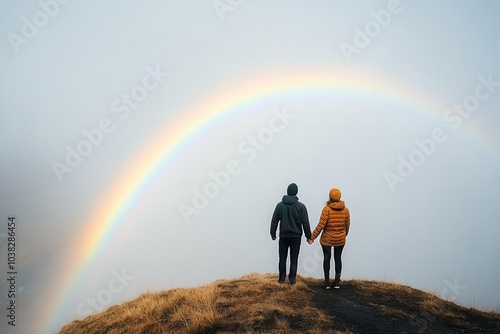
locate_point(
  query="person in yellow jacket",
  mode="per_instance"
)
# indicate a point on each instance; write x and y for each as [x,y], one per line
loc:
[334,224]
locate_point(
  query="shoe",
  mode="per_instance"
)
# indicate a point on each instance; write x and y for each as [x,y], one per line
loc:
[327,281]
[293,281]
[336,282]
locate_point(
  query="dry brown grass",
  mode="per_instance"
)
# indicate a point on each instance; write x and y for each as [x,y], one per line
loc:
[250,304]
[179,310]
[264,304]
[258,304]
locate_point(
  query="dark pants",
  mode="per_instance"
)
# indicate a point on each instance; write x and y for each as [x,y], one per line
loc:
[327,256]
[294,245]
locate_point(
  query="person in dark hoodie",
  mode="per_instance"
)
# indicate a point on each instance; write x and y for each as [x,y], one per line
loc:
[292,217]
[334,222]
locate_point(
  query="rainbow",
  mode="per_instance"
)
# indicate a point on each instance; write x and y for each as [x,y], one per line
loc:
[179,135]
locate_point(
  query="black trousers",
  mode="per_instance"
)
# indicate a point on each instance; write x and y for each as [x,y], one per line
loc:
[327,256]
[294,245]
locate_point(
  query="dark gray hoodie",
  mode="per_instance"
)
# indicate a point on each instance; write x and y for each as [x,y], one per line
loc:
[293,217]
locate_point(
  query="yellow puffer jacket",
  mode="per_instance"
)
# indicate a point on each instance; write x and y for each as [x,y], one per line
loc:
[334,222]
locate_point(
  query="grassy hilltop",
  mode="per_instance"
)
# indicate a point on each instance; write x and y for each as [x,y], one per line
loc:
[258,304]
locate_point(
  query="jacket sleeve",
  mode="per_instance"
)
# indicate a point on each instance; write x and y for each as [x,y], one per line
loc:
[322,223]
[305,223]
[274,221]
[347,222]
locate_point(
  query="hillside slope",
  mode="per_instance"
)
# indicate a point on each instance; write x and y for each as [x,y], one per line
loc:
[258,304]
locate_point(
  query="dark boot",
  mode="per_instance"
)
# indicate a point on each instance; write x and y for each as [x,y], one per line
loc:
[336,282]
[327,281]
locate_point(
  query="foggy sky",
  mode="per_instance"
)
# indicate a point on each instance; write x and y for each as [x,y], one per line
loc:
[423,203]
